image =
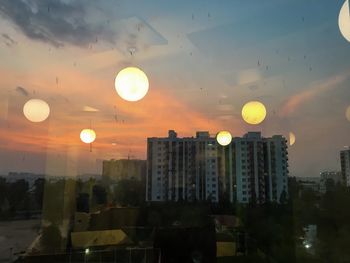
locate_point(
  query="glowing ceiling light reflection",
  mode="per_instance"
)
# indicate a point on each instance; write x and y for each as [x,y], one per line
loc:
[36,110]
[344,20]
[253,112]
[87,135]
[131,84]
[292,138]
[224,138]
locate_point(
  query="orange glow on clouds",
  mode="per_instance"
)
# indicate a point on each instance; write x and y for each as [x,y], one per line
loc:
[125,124]
[297,100]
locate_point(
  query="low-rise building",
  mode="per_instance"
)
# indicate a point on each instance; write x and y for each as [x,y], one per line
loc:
[334,177]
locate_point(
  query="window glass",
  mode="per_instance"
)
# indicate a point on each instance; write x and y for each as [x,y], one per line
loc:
[174,131]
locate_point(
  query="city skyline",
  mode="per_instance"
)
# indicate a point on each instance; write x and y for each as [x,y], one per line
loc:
[204,61]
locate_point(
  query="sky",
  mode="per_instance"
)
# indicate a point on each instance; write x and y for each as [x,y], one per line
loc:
[204,61]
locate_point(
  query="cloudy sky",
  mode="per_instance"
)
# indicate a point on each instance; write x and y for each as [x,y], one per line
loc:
[204,61]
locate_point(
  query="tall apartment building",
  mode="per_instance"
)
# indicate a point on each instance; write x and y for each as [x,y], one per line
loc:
[182,168]
[251,168]
[345,166]
[256,168]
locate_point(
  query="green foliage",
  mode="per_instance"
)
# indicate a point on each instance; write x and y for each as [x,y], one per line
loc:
[39,191]
[334,226]
[3,190]
[129,192]
[270,229]
[17,193]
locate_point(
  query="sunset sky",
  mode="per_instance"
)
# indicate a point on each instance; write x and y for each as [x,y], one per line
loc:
[204,61]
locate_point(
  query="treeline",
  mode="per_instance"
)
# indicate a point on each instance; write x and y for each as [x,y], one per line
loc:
[20,200]
[277,232]
[330,212]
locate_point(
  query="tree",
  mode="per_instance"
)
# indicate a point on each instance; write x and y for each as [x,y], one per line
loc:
[129,192]
[39,191]
[333,226]
[17,193]
[99,194]
[3,191]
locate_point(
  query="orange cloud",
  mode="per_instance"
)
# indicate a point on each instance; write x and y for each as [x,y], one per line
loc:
[127,125]
[122,127]
[296,101]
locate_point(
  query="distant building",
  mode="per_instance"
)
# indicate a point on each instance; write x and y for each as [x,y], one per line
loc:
[312,183]
[124,169]
[197,168]
[335,176]
[29,177]
[345,166]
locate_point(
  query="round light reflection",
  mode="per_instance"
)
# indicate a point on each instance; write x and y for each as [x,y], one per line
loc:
[347,113]
[344,20]
[292,138]
[224,138]
[36,110]
[253,112]
[87,135]
[131,84]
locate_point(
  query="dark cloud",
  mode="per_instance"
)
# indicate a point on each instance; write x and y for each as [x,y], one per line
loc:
[55,21]
[8,40]
[22,91]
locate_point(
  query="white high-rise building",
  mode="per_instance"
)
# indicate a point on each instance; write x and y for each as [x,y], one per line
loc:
[182,168]
[251,168]
[257,168]
[345,166]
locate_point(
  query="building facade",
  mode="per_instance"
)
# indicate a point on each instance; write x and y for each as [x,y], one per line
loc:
[257,168]
[117,170]
[334,176]
[250,169]
[182,168]
[345,166]
[312,183]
